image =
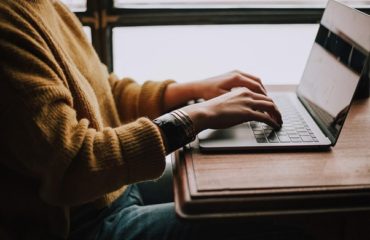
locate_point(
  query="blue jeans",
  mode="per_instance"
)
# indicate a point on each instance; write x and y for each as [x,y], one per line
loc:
[146,211]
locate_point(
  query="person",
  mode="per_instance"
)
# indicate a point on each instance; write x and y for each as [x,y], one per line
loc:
[75,139]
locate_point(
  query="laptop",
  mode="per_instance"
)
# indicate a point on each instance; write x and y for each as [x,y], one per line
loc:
[314,115]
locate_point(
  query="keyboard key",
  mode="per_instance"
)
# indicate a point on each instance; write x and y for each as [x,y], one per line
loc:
[267,127]
[303,133]
[295,139]
[307,139]
[284,139]
[253,123]
[282,133]
[256,132]
[259,135]
[272,138]
[261,140]
[294,136]
[268,132]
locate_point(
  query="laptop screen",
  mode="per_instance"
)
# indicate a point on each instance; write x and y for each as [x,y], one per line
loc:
[338,59]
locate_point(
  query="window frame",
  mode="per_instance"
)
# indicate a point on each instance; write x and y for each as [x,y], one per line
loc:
[102,16]
[90,18]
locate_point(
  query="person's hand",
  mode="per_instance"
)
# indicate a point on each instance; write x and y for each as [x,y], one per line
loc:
[232,108]
[178,94]
[216,86]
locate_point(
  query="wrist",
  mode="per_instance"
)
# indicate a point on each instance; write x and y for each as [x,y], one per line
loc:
[176,129]
[198,116]
[190,90]
[196,89]
[178,94]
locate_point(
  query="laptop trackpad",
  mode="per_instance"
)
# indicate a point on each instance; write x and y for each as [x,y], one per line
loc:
[240,135]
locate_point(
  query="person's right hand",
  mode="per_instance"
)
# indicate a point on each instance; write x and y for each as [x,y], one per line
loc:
[237,106]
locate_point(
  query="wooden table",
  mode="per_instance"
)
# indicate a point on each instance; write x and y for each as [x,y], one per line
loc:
[245,184]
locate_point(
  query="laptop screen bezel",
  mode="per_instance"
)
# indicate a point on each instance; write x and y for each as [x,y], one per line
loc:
[333,139]
[328,21]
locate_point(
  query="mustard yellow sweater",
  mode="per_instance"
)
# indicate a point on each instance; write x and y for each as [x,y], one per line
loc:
[70,133]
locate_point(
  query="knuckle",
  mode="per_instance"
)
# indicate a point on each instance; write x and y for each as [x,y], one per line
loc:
[259,88]
[249,102]
[234,73]
[248,112]
[273,106]
[245,92]
[270,106]
[239,76]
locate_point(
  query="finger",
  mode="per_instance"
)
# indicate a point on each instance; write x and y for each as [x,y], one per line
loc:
[250,84]
[252,95]
[263,117]
[258,96]
[239,81]
[269,107]
[248,75]
[255,78]
[275,110]
[246,92]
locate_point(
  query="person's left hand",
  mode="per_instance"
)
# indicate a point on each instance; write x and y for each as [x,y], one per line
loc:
[178,94]
[216,86]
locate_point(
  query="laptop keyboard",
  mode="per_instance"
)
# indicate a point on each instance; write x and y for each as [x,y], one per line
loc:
[294,129]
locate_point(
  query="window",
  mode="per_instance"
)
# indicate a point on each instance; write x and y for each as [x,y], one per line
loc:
[133,36]
[276,53]
[79,6]
[86,11]
[76,5]
[232,3]
[87,31]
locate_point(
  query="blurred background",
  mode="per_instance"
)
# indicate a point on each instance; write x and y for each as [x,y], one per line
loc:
[188,40]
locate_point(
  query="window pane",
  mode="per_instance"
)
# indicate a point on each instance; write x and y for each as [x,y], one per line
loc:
[233,3]
[87,30]
[76,5]
[276,53]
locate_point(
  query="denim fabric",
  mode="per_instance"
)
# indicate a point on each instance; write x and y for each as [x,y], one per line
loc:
[138,215]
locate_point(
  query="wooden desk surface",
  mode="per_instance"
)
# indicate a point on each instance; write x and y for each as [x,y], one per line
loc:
[331,180]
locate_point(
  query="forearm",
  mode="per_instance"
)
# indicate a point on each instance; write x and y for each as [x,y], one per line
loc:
[134,100]
[178,94]
[69,155]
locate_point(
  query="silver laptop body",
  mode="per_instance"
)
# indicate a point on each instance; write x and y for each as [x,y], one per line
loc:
[314,115]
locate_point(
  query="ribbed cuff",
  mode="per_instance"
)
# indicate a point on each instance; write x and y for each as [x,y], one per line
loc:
[143,149]
[126,91]
[151,101]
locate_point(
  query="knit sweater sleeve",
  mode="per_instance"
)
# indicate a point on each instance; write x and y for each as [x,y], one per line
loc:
[73,161]
[134,100]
